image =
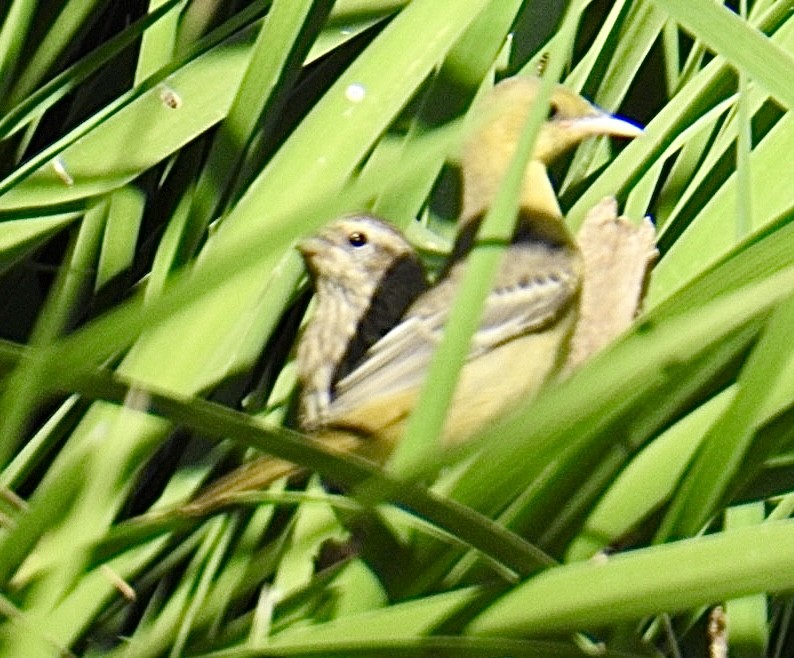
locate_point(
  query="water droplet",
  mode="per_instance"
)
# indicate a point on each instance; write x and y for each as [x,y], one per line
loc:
[355,93]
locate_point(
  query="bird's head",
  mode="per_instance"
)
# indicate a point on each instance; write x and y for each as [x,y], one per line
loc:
[501,118]
[354,251]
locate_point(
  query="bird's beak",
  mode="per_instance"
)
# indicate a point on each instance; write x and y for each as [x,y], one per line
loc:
[311,246]
[606,124]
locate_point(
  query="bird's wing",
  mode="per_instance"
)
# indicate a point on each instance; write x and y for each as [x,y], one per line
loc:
[391,365]
[535,285]
[518,304]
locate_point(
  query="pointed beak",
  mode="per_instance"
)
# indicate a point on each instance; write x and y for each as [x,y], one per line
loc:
[313,251]
[606,124]
[311,246]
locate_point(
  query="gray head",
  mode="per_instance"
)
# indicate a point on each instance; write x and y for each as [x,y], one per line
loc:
[354,251]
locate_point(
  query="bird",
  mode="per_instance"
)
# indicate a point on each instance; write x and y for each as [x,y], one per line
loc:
[365,274]
[359,399]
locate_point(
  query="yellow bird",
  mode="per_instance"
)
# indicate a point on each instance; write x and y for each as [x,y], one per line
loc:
[531,310]
[358,398]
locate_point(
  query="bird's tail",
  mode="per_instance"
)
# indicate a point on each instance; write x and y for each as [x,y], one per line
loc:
[262,472]
[253,476]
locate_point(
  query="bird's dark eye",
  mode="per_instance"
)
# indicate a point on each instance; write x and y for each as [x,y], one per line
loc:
[357,239]
[554,112]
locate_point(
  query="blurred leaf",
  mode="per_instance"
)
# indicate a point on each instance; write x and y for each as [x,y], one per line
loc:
[696,573]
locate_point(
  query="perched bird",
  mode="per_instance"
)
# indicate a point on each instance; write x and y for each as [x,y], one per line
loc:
[358,397]
[365,275]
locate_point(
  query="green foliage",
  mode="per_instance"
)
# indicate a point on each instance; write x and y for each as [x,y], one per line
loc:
[156,168]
